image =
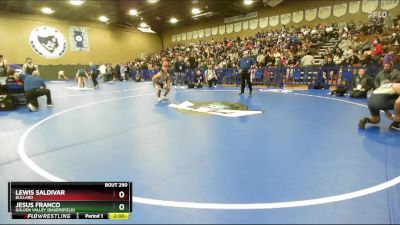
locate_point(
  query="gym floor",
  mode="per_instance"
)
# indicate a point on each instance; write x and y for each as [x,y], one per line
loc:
[303,160]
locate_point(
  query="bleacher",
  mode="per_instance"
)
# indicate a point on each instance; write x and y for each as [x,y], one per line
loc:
[280,77]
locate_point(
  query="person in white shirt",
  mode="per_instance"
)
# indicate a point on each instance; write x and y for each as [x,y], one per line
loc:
[123,72]
[306,62]
[261,59]
[103,71]
[211,76]
[338,59]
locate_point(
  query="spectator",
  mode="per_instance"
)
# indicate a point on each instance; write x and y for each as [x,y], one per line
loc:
[179,71]
[389,57]
[338,58]
[307,60]
[109,72]
[378,49]
[117,72]
[329,69]
[3,66]
[103,72]
[124,72]
[198,79]
[211,76]
[361,84]
[29,67]
[94,73]
[34,87]
[387,75]
[261,59]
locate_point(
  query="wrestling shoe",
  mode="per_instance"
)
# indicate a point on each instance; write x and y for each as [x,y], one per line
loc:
[363,122]
[395,126]
[32,108]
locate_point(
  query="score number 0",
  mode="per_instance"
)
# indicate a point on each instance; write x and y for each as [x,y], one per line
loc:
[121,194]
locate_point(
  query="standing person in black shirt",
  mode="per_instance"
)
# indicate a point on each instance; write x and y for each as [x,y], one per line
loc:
[29,67]
[94,72]
[245,64]
[179,69]
[192,64]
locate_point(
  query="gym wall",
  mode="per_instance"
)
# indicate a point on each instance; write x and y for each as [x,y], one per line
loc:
[106,45]
[287,6]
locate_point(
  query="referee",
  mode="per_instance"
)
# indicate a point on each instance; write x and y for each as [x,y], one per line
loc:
[245,64]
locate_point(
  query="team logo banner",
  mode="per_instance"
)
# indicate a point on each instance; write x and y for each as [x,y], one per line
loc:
[354,7]
[340,10]
[79,39]
[298,16]
[48,42]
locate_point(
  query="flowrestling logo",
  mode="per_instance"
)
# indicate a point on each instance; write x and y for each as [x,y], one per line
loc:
[226,109]
[48,42]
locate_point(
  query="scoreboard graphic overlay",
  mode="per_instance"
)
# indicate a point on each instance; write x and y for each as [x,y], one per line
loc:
[70,200]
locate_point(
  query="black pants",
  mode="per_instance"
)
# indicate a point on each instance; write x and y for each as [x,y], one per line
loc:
[212,82]
[245,77]
[32,95]
[94,79]
[358,94]
[379,102]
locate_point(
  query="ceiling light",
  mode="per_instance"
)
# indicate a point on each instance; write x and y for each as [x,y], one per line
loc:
[207,14]
[248,2]
[76,2]
[133,12]
[146,30]
[173,20]
[196,11]
[103,19]
[152,1]
[143,24]
[47,10]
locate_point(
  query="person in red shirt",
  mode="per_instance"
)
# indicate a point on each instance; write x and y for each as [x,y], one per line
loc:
[378,50]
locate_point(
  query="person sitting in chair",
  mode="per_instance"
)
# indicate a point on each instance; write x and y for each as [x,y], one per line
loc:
[34,87]
[361,84]
[211,76]
[198,79]
[388,75]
